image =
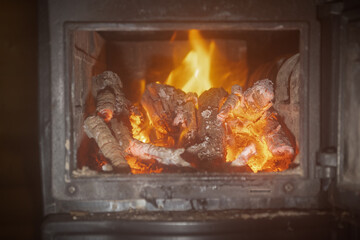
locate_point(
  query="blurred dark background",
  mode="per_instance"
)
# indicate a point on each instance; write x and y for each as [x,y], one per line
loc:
[20,201]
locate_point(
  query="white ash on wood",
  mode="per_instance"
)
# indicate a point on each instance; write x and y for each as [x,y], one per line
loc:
[244,156]
[122,134]
[117,148]
[160,102]
[211,149]
[96,128]
[248,107]
[204,126]
[236,97]
[105,104]
[285,73]
[276,139]
[246,110]
[260,96]
[171,112]
[186,119]
[145,151]
[164,155]
[107,87]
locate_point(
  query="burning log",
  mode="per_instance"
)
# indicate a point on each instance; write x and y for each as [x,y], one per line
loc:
[107,87]
[139,123]
[240,125]
[211,132]
[259,97]
[244,156]
[248,107]
[96,128]
[236,97]
[172,114]
[145,151]
[160,102]
[105,104]
[248,118]
[276,139]
[164,155]
[122,134]
[186,119]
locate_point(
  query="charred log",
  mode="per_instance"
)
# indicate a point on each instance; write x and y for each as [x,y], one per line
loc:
[276,139]
[160,102]
[164,155]
[96,128]
[186,119]
[172,114]
[211,149]
[112,81]
[250,106]
[106,79]
[236,97]
[122,134]
[105,104]
[249,121]
[145,151]
[259,97]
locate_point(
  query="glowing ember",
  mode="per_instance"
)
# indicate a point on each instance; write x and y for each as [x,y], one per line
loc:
[100,161]
[140,167]
[252,127]
[106,114]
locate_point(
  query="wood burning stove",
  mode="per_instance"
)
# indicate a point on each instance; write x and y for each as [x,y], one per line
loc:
[103,62]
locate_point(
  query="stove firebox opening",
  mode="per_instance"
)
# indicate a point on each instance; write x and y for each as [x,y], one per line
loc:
[185,101]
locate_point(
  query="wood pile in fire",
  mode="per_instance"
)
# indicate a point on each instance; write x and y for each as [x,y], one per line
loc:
[206,132]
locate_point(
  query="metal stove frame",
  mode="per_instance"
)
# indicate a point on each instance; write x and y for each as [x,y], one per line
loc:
[171,192]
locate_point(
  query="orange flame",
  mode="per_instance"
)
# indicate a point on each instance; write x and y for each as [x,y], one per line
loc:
[140,128]
[193,75]
[107,114]
[139,167]
[253,132]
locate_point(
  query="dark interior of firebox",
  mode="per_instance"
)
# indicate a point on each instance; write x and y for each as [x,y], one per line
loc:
[143,60]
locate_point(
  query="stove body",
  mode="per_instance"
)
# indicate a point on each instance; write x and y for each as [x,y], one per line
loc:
[325,73]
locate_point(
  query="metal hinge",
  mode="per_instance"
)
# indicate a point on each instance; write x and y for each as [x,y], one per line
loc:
[326,167]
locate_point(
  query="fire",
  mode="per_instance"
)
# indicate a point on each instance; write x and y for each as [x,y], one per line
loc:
[140,128]
[193,75]
[253,133]
[245,123]
[100,160]
[139,167]
[106,114]
[156,121]
[244,137]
